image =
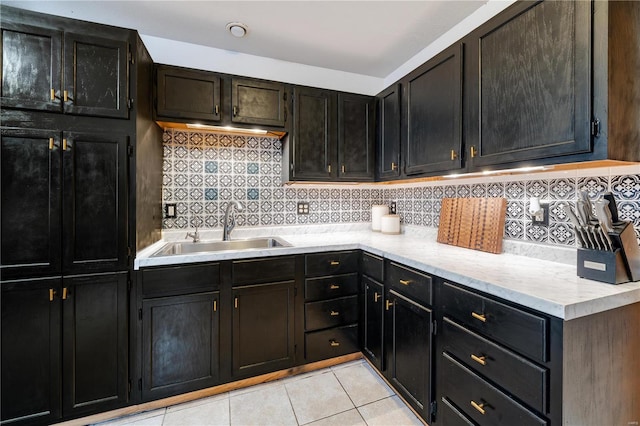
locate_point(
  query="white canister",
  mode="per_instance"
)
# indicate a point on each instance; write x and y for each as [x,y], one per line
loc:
[377,211]
[390,224]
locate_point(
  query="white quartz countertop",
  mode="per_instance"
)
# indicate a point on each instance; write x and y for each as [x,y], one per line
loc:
[543,285]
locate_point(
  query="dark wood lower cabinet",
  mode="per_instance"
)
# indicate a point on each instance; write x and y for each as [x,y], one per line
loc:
[373,333]
[180,344]
[409,351]
[263,328]
[31,374]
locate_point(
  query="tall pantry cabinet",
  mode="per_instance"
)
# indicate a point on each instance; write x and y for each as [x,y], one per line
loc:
[76,110]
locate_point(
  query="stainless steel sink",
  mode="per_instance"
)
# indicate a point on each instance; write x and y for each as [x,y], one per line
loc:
[172,249]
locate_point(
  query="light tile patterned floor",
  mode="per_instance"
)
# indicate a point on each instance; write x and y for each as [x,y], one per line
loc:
[344,395]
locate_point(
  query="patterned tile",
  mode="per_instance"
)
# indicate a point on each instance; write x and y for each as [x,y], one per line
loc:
[626,187]
[478,190]
[562,189]
[514,229]
[536,233]
[211,167]
[495,190]
[562,233]
[514,190]
[594,185]
[515,209]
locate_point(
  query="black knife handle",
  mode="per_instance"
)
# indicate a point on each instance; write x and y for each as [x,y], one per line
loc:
[612,206]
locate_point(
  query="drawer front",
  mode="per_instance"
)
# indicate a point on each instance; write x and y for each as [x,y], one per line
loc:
[330,343]
[330,287]
[480,401]
[330,313]
[264,270]
[167,281]
[449,415]
[518,375]
[373,266]
[334,263]
[525,332]
[413,284]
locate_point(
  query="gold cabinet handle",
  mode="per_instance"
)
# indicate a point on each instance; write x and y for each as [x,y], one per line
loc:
[479,359]
[343,169]
[65,144]
[217,110]
[53,94]
[394,167]
[334,343]
[479,407]
[454,155]
[334,263]
[387,304]
[473,152]
[50,144]
[215,306]
[65,293]
[65,96]
[334,313]
[405,282]
[235,302]
[52,294]
[376,296]
[329,168]
[235,111]
[479,317]
[334,287]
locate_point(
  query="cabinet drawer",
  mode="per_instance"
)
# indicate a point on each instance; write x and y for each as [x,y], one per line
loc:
[480,401]
[263,270]
[340,262]
[331,343]
[330,287]
[180,280]
[449,415]
[525,332]
[372,266]
[329,313]
[413,284]
[516,374]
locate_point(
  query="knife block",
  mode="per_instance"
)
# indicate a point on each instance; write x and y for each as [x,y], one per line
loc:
[605,266]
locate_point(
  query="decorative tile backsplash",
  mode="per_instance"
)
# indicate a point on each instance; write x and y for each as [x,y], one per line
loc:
[202,172]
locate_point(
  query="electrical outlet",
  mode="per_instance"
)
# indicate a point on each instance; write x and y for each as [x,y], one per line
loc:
[170,211]
[392,208]
[303,207]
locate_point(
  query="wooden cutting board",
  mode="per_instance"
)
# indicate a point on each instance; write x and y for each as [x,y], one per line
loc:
[474,223]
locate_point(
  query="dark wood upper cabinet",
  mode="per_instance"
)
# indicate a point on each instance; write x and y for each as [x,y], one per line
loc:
[530,87]
[433,120]
[258,102]
[187,94]
[356,137]
[31,67]
[314,134]
[388,141]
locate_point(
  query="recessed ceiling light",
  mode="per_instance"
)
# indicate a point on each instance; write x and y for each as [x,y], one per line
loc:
[237,29]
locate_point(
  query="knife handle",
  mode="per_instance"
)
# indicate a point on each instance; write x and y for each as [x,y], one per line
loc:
[613,208]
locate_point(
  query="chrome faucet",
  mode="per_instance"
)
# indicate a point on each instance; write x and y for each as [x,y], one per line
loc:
[195,235]
[229,219]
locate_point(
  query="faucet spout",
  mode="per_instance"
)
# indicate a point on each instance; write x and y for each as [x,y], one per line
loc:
[229,218]
[195,236]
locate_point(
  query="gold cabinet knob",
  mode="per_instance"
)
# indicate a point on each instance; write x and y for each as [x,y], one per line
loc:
[479,317]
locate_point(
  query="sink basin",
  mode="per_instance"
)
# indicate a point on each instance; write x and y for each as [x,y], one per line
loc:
[177,248]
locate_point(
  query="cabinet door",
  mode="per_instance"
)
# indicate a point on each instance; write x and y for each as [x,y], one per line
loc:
[187,94]
[373,322]
[258,102]
[263,328]
[96,76]
[94,202]
[31,351]
[433,137]
[31,67]
[180,339]
[95,351]
[530,83]
[30,209]
[356,118]
[410,351]
[389,132]
[314,134]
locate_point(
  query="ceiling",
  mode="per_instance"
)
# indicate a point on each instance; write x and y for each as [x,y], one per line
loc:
[371,38]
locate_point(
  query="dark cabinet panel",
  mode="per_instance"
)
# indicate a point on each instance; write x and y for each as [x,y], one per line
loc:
[180,344]
[96,76]
[187,94]
[529,94]
[282,268]
[332,263]
[94,202]
[331,343]
[31,67]
[373,322]
[263,328]
[180,280]
[433,122]
[258,102]
[31,183]
[330,287]
[373,266]
[314,134]
[95,349]
[356,137]
[331,313]
[31,374]
[388,143]
[409,351]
